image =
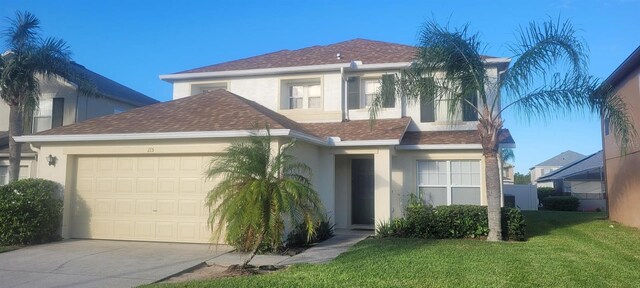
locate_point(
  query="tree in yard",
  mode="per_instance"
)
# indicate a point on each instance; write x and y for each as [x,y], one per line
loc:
[547,77]
[28,58]
[519,178]
[256,191]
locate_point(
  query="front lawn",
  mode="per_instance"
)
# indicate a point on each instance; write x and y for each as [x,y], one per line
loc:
[565,249]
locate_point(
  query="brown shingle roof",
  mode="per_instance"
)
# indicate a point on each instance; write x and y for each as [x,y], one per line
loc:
[220,110]
[450,137]
[367,51]
[217,110]
[382,129]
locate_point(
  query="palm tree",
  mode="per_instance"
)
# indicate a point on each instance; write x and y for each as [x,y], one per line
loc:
[547,77]
[256,191]
[29,58]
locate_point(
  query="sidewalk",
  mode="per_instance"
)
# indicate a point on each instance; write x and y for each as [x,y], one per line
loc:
[321,253]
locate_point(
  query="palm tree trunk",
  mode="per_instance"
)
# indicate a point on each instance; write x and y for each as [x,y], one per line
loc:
[493,197]
[15,129]
[255,249]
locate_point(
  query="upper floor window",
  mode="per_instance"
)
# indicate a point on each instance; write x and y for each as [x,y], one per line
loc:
[49,114]
[362,91]
[432,111]
[208,87]
[301,94]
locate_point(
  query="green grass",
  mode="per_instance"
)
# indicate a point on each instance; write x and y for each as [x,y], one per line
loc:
[564,249]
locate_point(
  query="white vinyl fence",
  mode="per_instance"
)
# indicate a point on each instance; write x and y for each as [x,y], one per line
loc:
[526,195]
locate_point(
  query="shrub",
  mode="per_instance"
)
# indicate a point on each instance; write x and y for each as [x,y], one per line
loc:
[455,221]
[30,212]
[298,236]
[544,192]
[561,203]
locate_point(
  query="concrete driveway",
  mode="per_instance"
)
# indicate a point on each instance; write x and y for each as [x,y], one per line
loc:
[98,263]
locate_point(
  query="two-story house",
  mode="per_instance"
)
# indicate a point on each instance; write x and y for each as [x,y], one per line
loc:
[61,104]
[138,175]
[554,163]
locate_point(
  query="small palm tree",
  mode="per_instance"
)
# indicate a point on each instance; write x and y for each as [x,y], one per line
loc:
[449,66]
[256,191]
[28,57]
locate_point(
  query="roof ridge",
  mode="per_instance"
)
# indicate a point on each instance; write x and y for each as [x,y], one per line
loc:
[235,60]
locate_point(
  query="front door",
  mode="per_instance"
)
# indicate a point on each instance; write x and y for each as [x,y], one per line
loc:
[362,188]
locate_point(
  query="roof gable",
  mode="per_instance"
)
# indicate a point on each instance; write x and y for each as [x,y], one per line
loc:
[561,159]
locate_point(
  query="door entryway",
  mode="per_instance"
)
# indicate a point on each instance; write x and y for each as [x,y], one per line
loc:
[362,193]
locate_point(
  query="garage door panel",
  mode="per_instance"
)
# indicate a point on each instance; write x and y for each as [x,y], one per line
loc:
[123,229]
[145,230]
[125,185]
[167,185]
[141,198]
[166,207]
[125,206]
[166,230]
[105,165]
[104,185]
[145,185]
[144,207]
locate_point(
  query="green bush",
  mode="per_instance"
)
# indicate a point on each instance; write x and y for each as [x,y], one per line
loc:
[544,192]
[298,236]
[561,203]
[455,221]
[30,212]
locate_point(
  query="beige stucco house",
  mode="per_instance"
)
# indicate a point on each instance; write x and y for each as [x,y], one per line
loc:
[60,105]
[139,175]
[621,169]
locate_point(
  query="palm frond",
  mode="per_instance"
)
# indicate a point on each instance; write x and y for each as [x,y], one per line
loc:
[613,110]
[22,31]
[540,47]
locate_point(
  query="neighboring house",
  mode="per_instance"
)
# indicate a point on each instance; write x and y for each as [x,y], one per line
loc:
[551,164]
[508,172]
[621,169]
[138,175]
[582,179]
[60,105]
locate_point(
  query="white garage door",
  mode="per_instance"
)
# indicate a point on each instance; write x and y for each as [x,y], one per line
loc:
[141,198]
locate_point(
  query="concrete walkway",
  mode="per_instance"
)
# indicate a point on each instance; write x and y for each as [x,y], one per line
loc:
[321,253]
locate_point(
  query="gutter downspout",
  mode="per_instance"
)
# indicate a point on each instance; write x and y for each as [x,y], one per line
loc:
[343,95]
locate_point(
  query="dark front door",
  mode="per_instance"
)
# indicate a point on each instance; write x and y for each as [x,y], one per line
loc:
[362,187]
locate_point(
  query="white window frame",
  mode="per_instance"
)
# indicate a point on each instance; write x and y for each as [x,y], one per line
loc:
[306,85]
[449,186]
[363,92]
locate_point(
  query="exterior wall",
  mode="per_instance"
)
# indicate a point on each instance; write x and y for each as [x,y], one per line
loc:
[92,107]
[322,178]
[4,116]
[537,172]
[267,91]
[622,180]
[404,173]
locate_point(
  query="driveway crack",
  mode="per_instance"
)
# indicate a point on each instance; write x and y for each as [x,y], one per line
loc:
[84,256]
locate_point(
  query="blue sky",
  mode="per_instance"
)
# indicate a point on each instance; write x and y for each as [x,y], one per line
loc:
[133,42]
